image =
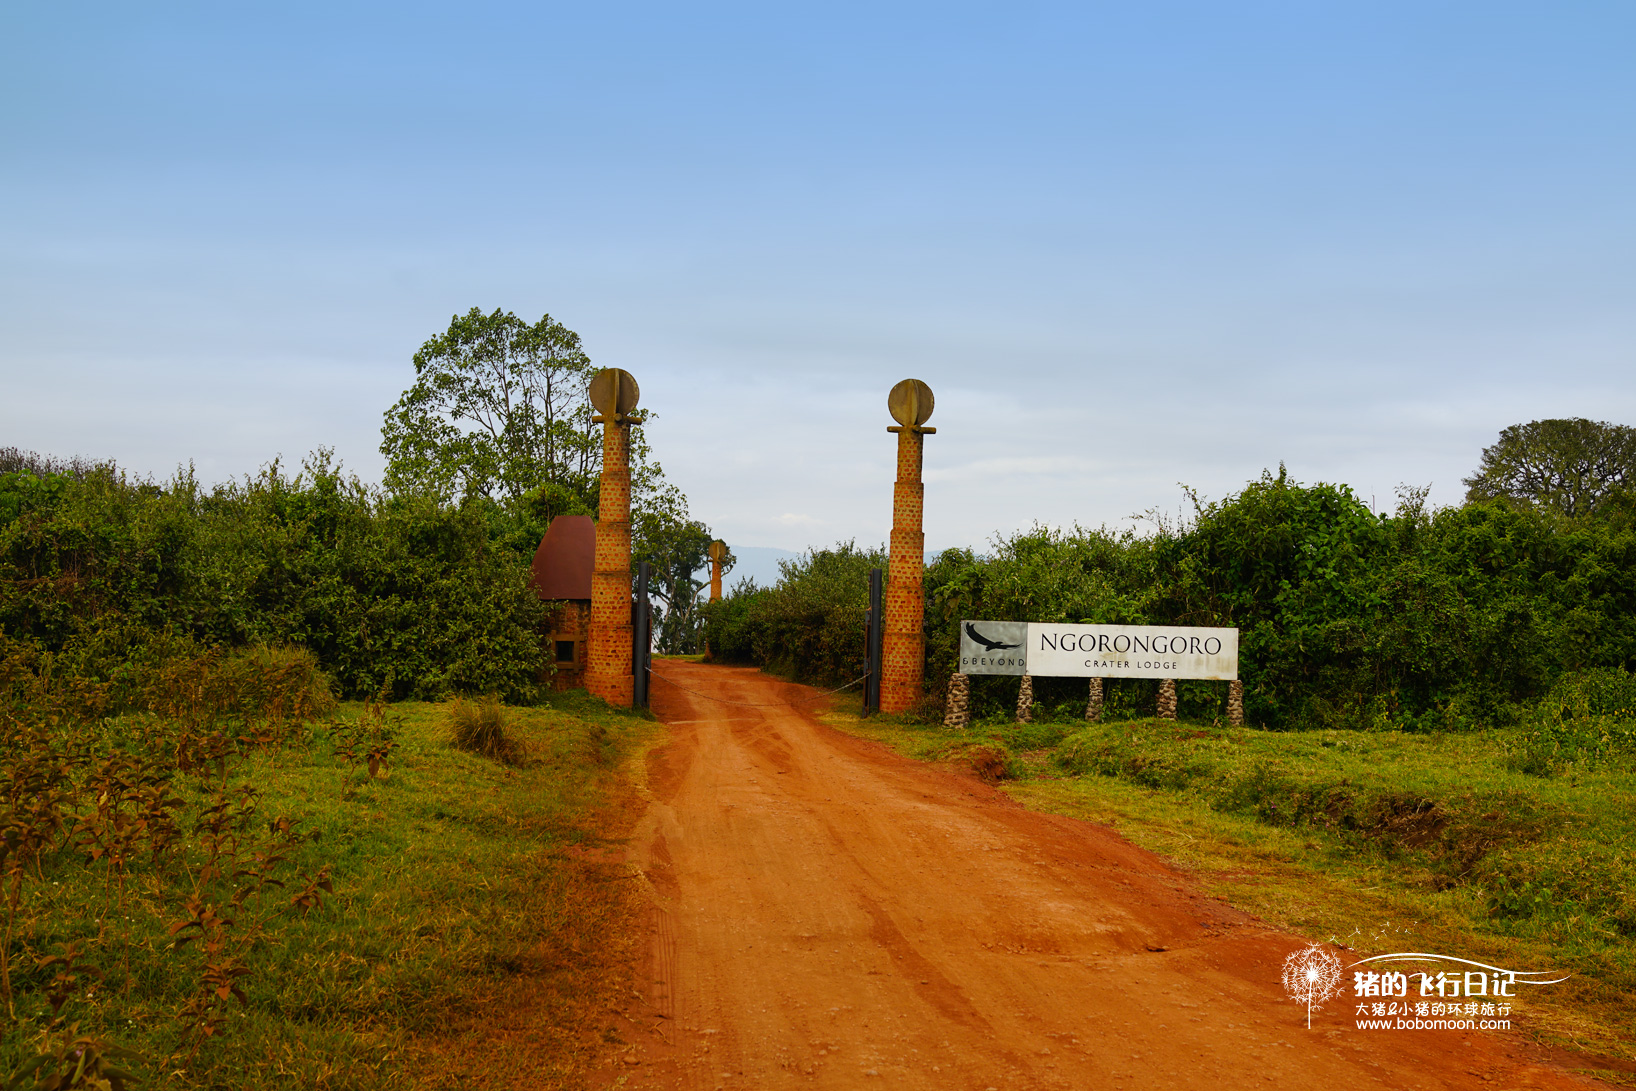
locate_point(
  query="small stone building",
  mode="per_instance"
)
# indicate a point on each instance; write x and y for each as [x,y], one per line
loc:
[562,577]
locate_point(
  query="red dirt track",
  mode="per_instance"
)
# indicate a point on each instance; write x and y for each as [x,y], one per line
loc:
[832,915]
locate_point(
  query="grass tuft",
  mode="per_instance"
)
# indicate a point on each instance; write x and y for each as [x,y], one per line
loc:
[479,727]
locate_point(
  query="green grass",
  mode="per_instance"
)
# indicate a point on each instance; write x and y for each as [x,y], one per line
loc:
[477,934]
[1381,841]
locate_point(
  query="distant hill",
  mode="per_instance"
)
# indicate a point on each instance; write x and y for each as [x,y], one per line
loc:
[760,563]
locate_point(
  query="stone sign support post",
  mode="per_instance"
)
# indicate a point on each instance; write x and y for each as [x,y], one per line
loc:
[957,710]
[1093,702]
[1167,699]
[1235,702]
[608,653]
[904,646]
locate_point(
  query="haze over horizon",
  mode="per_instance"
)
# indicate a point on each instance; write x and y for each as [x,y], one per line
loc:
[1127,248]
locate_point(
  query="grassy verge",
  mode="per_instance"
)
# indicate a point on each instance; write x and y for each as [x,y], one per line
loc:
[1381,841]
[360,906]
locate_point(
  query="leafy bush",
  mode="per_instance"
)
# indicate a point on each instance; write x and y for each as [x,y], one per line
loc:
[1588,718]
[729,623]
[808,627]
[1563,880]
[1416,620]
[148,823]
[479,725]
[104,576]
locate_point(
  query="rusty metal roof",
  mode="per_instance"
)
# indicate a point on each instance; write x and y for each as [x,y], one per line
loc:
[566,558]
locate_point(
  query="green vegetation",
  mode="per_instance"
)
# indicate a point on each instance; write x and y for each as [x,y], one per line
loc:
[220,886]
[1422,620]
[101,574]
[679,551]
[497,409]
[499,412]
[480,727]
[1571,467]
[1383,840]
[809,626]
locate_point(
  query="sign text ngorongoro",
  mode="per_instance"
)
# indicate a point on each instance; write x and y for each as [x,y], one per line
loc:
[1051,650]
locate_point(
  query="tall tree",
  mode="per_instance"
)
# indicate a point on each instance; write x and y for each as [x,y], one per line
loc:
[678,548]
[1570,466]
[498,409]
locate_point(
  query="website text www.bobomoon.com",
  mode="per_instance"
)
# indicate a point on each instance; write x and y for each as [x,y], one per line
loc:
[1415,1023]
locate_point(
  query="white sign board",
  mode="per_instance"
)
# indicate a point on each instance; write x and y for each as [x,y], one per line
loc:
[1049,650]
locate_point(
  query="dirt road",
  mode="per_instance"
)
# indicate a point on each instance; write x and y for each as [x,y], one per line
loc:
[831,915]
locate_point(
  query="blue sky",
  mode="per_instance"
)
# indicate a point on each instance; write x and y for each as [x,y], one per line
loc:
[1129,246]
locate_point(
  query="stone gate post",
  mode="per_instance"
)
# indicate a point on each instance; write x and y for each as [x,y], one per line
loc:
[608,660]
[903,648]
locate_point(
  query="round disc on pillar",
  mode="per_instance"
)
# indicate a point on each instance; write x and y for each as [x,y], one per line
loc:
[614,392]
[910,403]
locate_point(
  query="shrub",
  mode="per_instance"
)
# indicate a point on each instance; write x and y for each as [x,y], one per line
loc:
[809,626]
[1448,620]
[1588,718]
[479,726]
[105,576]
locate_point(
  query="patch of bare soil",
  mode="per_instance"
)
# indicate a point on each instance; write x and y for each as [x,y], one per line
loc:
[828,914]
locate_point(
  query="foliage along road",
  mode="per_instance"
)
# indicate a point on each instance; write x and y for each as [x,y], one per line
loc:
[829,914]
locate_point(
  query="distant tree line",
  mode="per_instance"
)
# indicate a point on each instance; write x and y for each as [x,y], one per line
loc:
[418,588]
[1414,618]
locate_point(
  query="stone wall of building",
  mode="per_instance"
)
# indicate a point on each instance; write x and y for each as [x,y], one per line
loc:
[570,622]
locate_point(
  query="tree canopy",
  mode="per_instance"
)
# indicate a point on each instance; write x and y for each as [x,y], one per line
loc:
[678,548]
[500,412]
[1570,466]
[498,409]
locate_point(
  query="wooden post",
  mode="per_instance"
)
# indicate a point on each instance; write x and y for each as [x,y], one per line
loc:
[1093,702]
[1167,698]
[608,659]
[904,645]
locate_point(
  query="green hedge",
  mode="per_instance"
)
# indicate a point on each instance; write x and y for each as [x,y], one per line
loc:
[420,599]
[1347,618]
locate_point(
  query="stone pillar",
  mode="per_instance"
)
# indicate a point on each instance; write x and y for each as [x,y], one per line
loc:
[1025,700]
[957,709]
[1167,698]
[1093,702]
[608,655]
[903,645]
[1235,703]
